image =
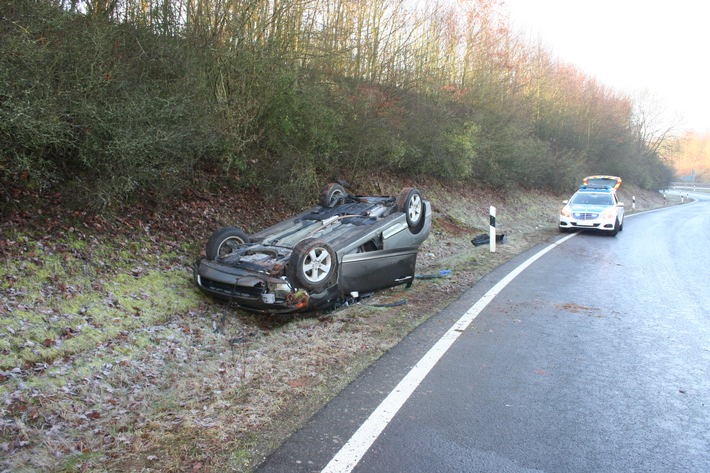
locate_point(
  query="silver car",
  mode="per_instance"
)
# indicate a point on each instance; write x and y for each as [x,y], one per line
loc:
[346,246]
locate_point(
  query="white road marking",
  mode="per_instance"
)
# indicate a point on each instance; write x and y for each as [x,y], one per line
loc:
[361,441]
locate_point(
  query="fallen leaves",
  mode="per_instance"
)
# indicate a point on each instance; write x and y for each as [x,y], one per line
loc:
[578,309]
[298,383]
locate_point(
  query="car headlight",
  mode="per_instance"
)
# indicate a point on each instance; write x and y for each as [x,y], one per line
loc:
[566,211]
[608,214]
[280,289]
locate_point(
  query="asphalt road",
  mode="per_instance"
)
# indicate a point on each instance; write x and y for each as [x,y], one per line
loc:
[595,357]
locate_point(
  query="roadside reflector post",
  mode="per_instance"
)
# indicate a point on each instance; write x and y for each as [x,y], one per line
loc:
[633,203]
[493,229]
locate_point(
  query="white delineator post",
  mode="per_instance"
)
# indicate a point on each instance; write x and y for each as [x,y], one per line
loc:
[493,229]
[633,205]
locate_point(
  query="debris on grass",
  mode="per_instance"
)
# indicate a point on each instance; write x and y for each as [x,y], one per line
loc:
[484,239]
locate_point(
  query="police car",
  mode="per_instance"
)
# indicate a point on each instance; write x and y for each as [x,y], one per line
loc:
[595,206]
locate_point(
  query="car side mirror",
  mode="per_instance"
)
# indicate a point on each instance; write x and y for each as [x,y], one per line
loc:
[620,204]
[565,202]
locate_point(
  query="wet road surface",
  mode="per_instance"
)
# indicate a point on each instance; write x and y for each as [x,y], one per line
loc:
[596,357]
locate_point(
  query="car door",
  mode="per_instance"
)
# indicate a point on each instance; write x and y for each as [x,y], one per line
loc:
[364,272]
[620,209]
[384,263]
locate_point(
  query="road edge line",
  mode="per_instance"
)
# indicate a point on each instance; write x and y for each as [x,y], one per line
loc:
[355,448]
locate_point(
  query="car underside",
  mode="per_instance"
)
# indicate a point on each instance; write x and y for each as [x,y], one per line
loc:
[348,245]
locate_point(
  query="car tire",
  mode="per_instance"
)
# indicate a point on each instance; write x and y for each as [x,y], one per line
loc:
[312,264]
[616,228]
[332,195]
[621,226]
[411,203]
[223,242]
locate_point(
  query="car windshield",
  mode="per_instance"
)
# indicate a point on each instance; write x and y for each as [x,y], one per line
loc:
[589,198]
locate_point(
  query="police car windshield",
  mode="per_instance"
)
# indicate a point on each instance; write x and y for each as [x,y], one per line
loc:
[592,198]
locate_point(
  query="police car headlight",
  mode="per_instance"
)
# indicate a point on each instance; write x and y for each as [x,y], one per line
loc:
[608,214]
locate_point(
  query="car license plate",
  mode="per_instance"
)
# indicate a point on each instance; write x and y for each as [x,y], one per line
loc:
[585,224]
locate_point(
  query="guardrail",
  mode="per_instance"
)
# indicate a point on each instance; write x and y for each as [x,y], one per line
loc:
[690,185]
[686,188]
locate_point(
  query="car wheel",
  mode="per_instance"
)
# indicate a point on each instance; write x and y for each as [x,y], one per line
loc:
[411,203]
[564,229]
[224,241]
[616,228]
[621,226]
[312,264]
[332,195]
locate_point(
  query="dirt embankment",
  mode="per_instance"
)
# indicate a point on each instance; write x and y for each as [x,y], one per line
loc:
[110,359]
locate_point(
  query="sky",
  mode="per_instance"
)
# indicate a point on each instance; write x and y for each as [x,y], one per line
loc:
[658,49]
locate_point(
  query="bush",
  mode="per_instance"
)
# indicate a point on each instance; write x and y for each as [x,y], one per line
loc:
[33,125]
[111,111]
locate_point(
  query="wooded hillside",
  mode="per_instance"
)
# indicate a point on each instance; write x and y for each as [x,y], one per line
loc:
[111,101]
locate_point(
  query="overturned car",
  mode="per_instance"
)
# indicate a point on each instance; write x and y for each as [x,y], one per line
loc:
[346,246]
